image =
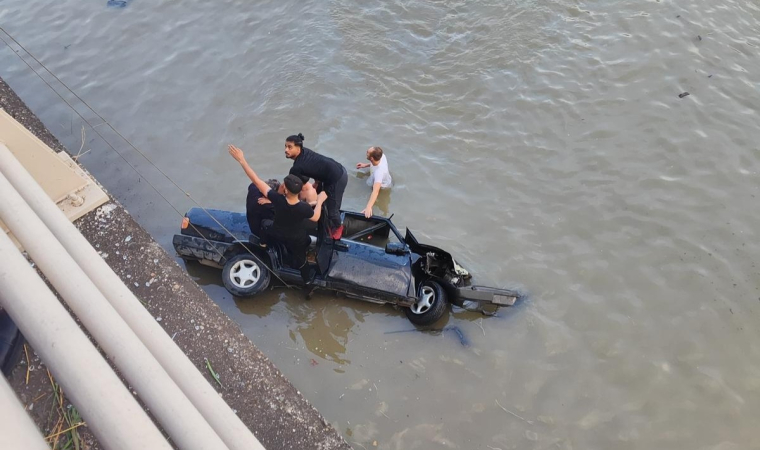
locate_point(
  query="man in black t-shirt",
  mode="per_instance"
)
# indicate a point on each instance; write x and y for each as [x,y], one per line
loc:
[289,213]
[258,208]
[330,174]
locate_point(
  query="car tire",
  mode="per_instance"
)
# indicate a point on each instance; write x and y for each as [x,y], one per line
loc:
[244,275]
[432,303]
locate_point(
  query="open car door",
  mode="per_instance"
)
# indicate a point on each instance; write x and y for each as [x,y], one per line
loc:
[324,244]
[363,261]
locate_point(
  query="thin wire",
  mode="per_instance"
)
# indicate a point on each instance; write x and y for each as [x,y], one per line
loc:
[104,121]
[134,147]
[96,131]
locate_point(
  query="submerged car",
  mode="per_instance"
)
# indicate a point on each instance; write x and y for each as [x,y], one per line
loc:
[371,262]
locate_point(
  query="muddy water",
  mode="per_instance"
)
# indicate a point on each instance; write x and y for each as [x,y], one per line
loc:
[544,143]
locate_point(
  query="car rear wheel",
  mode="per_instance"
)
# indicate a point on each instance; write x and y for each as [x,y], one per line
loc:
[430,306]
[244,275]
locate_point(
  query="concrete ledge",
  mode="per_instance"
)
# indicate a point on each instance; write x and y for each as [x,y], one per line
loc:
[271,407]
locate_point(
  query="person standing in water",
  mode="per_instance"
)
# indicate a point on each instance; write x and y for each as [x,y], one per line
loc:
[331,176]
[379,176]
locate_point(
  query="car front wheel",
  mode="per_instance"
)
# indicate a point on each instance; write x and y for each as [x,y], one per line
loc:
[244,275]
[430,306]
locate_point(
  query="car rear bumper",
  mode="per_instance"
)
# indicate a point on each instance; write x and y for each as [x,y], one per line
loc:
[191,247]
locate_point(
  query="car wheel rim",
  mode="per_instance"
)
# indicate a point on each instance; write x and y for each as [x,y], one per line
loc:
[245,273]
[425,300]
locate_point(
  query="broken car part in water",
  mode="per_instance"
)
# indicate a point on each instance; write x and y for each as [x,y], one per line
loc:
[451,328]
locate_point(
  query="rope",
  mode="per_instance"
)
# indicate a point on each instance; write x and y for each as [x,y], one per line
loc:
[104,121]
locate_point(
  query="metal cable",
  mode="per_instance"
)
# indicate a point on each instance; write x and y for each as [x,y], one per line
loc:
[187,194]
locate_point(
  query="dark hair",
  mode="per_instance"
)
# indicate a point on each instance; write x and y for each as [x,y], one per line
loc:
[296,139]
[376,153]
[293,183]
[273,183]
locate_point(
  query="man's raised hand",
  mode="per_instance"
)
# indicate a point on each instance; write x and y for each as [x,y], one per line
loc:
[236,153]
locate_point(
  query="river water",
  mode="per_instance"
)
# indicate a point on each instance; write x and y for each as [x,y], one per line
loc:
[543,143]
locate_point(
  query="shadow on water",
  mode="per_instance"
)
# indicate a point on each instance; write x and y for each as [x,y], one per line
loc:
[324,325]
[323,328]
[261,305]
[203,275]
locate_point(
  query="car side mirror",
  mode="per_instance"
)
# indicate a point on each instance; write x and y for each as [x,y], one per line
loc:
[397,248]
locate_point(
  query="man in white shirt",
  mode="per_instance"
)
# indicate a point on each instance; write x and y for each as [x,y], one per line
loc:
[379,176]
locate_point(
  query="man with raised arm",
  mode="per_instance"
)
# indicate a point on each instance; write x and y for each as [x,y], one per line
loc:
[289,213]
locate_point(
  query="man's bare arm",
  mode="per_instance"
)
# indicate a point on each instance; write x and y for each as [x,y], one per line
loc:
[238,155]
[372,198]
[318,209]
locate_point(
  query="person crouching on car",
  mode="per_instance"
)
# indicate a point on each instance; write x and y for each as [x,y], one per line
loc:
[330,175]
[289,213]
[308,195]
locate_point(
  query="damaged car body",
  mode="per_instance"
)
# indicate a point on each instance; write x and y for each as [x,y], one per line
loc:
[372,262]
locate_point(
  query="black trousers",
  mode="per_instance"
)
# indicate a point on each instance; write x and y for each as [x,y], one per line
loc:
[297,247]
[335,199]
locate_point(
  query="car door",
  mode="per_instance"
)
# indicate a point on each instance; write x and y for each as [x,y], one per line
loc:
[358,263]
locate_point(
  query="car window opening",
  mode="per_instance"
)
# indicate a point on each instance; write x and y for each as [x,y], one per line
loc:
[375,232]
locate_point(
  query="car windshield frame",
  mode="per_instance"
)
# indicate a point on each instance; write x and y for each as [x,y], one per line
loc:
[378,221]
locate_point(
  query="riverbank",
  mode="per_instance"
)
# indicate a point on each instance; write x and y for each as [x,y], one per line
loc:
[267,403]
